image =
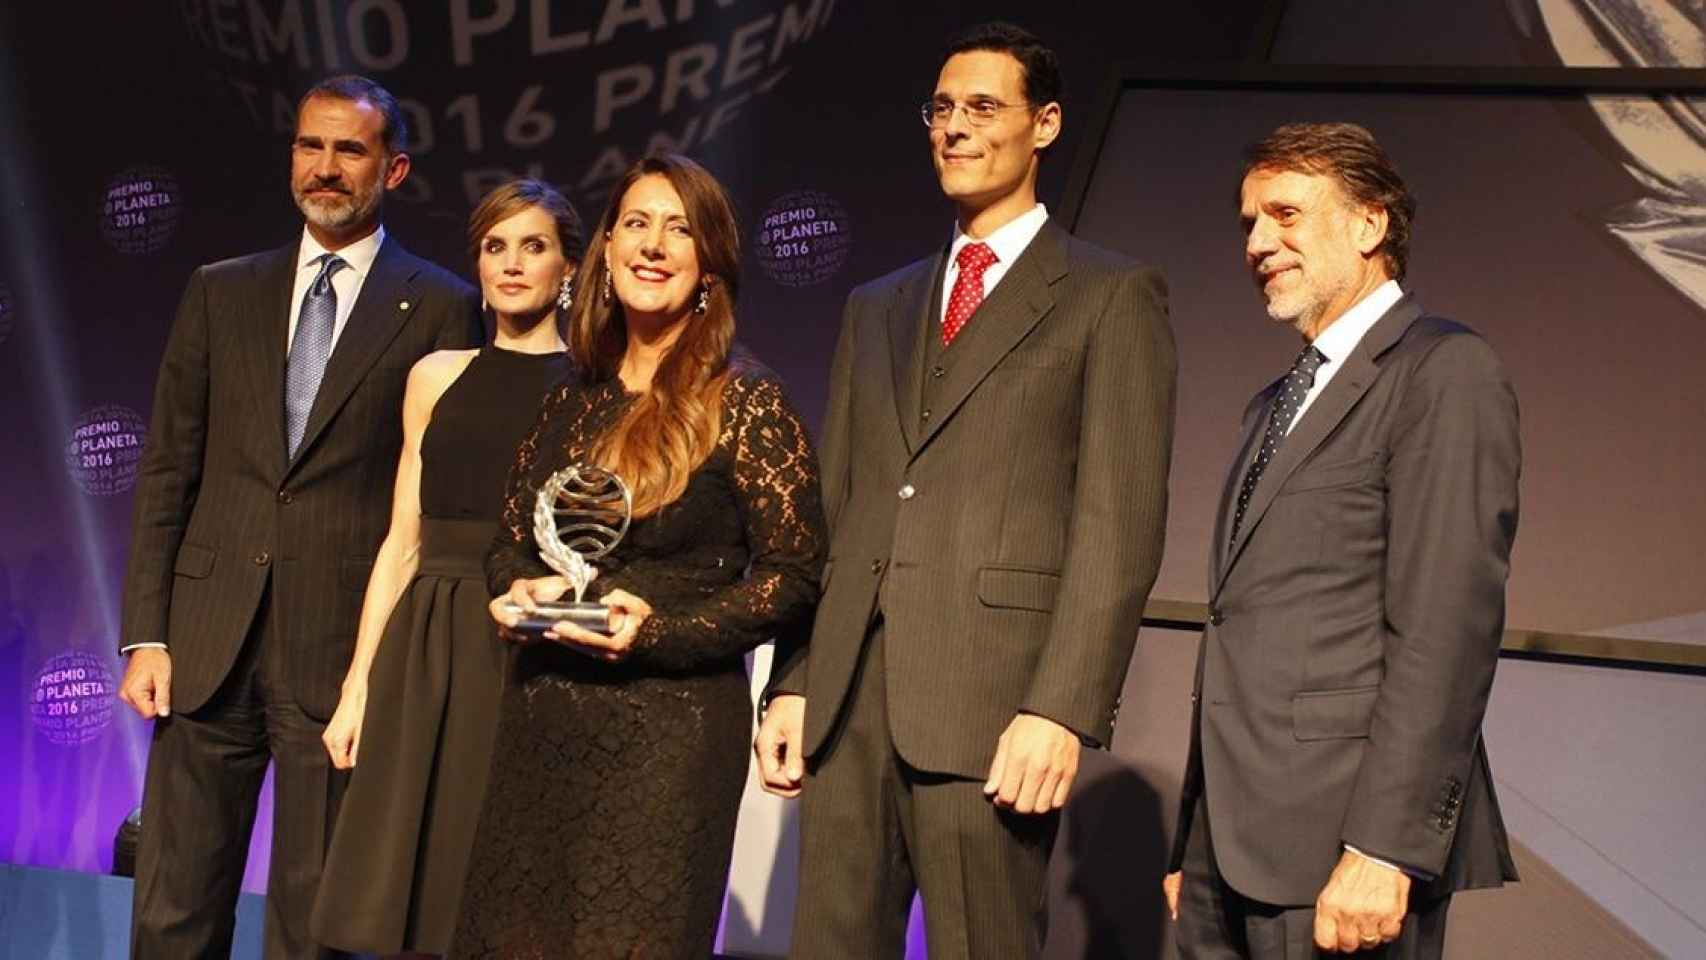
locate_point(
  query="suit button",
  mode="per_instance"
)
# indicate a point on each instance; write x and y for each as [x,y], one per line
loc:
[938,372]
[263,558]
[907,492]
[876,566]
[1215,616]
[925,415]
[1195,696]
[284,496]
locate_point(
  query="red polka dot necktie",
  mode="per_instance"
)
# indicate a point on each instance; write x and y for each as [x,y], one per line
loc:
[973,260]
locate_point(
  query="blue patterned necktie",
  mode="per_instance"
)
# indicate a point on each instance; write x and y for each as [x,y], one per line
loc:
[1296,387]
[310,349]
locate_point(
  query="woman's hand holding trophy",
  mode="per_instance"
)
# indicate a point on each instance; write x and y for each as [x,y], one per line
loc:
[580,514]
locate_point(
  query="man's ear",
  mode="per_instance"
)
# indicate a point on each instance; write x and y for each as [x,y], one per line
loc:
[1371,226]
[397,170]
[1045,126]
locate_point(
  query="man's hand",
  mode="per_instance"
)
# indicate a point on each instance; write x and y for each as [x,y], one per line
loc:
[1170,885]
[342,735]
[1035,761]
[781,768]
[1362,906]
[147,683]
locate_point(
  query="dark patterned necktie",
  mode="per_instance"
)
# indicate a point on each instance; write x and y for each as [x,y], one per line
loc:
[310,348]
[973,259]
[1292,392]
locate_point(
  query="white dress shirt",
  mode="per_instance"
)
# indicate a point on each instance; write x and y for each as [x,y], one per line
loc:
[347,281]
[1007,242]
[1342,336]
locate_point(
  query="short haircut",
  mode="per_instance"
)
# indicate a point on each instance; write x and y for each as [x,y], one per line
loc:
[355,88]
[1041,66]
[1349,154]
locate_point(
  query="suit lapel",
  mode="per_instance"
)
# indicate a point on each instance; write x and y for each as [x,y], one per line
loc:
[1255,421]
[378,314]
[1324,414]
[908,324]
[1016,305]
[263,353]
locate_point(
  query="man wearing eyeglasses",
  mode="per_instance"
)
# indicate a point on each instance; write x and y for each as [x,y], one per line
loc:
[995,475]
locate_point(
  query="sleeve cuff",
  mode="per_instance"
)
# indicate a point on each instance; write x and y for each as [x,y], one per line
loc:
[1413,873]
[152,644]
[1084,739]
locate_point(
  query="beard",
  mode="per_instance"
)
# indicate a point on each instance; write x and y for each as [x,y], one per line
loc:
[337,212]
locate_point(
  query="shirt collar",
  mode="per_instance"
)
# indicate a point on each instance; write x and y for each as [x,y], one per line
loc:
[1009,240]
[1342,335]
[359,255]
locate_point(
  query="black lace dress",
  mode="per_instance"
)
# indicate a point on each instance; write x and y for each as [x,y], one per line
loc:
[610,813]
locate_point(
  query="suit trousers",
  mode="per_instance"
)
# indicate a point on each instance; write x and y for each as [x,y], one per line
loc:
[873,830]
[199,799]
[1216,922]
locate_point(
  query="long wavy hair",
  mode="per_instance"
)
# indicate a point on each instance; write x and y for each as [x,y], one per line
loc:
[673,427]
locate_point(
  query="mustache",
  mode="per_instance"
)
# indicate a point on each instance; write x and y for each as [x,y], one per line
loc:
[336,185]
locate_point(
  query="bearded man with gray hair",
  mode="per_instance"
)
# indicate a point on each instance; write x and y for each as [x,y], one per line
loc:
[263,493]
[1337,792]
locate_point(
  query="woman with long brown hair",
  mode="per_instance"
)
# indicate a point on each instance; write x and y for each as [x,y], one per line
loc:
[420,700]
[620,759]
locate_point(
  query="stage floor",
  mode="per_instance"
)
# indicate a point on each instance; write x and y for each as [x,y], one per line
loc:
[62,915]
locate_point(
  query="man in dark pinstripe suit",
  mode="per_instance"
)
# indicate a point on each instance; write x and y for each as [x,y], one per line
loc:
[995,472]
[264,491]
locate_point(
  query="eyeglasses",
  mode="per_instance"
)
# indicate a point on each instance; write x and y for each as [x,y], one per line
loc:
[980,112]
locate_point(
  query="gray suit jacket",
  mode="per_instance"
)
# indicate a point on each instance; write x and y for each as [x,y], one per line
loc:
[221,511]
[1009,533]
[1354,625]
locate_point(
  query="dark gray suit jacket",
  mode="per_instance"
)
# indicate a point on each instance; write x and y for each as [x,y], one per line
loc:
[1355,624]
[220,510]
[1011,532]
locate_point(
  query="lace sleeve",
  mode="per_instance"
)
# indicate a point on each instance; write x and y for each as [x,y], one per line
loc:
[776,489]
[513,555]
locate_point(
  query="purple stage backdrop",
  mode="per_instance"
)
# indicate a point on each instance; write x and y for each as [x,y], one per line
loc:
[144,139]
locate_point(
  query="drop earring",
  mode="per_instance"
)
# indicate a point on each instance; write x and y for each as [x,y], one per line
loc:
[704,301]
[606,283]
[566,294]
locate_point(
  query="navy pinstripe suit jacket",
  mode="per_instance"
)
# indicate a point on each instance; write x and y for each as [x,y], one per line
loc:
[221,511]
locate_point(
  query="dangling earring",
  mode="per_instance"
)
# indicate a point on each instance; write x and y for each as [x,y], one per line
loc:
[704,300]
[566,294]
[607,283]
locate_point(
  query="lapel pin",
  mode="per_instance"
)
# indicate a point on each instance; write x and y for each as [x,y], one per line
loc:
[402,305]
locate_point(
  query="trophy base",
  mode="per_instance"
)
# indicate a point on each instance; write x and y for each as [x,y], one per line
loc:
[594,617]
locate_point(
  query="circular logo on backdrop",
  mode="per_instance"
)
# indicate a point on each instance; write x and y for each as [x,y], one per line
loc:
[5,312]
[104,448]
[140,209]
[804,239]
[73,698]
